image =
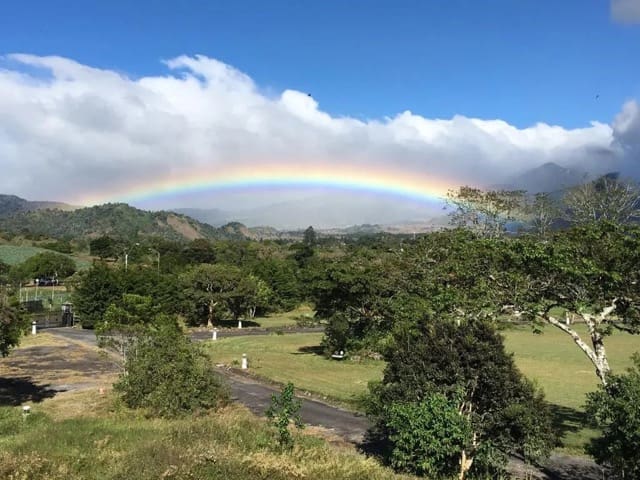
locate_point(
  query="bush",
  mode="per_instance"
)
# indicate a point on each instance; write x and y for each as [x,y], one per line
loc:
[427,436]
[166,374]
[616,410]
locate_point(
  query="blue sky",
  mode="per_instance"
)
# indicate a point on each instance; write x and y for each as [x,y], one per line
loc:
[117,97]
[523,61]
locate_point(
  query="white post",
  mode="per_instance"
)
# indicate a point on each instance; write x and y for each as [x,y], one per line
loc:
[26,410]
[239,323]
[33,327]
[244,361]
[215,334]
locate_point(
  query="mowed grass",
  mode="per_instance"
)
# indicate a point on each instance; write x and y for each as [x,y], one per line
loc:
[297,358]
[551,359]
[85,435]
[285,319]
[565,373]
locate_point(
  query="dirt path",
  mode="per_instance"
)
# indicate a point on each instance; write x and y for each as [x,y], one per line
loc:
[48,364]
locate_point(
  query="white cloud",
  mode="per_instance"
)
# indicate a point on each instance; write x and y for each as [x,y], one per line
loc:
[80,129]
[625,11]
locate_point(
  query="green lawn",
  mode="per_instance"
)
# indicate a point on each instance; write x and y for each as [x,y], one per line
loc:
[565,373]
[551,359]
[296,358]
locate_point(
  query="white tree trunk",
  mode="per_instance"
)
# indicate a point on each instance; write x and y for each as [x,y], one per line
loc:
[596,351]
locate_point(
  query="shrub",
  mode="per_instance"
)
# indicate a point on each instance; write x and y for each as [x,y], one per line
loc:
[285,408]
[167,374]
[616,410]
[427,436]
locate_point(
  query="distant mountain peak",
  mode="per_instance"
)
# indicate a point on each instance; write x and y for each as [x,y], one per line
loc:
[548,177]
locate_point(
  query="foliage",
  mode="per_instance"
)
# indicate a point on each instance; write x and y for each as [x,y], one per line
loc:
[427,436]
[467,364]
[542,212]
[12,324]
[284,409]
[123,322]
[60,246]
[210,292]
[588,271]
[486,213]
[103,247]
[117,220]
[99,287]
[48,264]
[615,408]
[605,199]
[167,374]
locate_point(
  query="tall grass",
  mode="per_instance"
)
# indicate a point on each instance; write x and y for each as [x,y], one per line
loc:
[120,444]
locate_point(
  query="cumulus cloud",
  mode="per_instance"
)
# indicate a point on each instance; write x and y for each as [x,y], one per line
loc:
[67,129]
[625,11]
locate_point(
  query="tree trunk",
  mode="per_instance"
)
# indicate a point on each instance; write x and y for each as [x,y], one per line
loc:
[596,352]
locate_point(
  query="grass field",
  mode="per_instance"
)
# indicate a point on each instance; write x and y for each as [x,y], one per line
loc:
[82,435]
[15,254]
[551,359]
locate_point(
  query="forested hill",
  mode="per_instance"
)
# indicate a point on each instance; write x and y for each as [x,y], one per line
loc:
[11,204]
[117,220]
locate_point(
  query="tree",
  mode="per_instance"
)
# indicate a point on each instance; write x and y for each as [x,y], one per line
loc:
[615,409]
[486,213]
[123,322]
[467,364]
[214,290]
[167,375]
[605,199]
[589,272]
[12,323]
[103,247]
[99,287]
[542,211]
[48,264]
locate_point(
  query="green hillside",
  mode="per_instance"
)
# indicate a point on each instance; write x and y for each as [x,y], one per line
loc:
[117,220]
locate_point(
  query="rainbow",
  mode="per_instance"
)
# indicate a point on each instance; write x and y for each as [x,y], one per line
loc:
[408,185]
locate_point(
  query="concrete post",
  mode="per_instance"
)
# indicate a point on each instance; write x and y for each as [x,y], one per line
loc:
[244,361]
[34,327]
[26,410]
[239,323]
[214,336]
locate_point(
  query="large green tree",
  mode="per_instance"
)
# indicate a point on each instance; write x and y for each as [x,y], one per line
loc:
[589,273]
[501,413]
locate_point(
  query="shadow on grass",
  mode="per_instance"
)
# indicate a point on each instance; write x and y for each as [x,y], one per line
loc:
[16,391]
[311,350]
[566,419]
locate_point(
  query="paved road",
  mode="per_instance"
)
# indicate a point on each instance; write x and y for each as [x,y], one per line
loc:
[257,397]
[88,336]
[348,425]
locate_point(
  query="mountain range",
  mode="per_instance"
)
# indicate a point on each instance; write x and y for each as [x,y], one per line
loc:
[337,214]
